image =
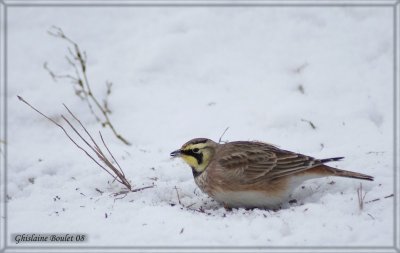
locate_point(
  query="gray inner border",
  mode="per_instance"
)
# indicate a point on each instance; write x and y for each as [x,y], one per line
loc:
[5,4]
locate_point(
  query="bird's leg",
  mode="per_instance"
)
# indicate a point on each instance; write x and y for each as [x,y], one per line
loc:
[227,208]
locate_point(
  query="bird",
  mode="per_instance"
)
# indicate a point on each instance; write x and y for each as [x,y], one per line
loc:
[253,174]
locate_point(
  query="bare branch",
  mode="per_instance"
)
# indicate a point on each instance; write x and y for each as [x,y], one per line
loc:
[100,154]
[65,131]
[80,123]
[78,60]
[220,138]
[118,176]
[109,152]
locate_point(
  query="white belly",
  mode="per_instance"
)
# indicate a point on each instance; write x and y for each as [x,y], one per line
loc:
[261,199]
[250,199]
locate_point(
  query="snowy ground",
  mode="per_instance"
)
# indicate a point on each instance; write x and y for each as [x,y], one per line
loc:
[181,73]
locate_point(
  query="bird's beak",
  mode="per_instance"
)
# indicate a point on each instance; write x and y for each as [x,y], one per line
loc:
[176,153]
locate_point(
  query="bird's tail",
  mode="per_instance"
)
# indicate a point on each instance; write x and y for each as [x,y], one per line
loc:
[331,159]
[344,173]
[340,173]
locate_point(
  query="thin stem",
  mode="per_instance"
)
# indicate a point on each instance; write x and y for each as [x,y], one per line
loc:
[220,138]
[80,59]
[96,149]
[109,152]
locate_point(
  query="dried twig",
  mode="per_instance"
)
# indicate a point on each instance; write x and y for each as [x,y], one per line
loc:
[125,192]
[222,135]
[361,197]
[78,60]
[109,167]
[142,188]
[389,196]
[177,194]
[377,199]
[370,201]
[99,191]
[309,122]
[109,152]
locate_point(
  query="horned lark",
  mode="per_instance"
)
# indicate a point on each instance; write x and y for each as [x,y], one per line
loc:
[252,174]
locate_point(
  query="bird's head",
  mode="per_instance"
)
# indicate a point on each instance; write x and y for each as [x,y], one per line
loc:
[197,153]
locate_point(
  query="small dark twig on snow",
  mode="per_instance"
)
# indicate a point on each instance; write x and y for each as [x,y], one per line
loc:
[177,194]
[309,122]
[361,197]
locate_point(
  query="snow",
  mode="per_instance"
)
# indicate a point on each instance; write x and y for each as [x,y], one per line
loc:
[181,73]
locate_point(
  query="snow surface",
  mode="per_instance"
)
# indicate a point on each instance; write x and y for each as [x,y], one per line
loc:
[181,73]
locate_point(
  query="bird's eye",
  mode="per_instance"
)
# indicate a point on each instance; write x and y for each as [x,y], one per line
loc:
[196,150]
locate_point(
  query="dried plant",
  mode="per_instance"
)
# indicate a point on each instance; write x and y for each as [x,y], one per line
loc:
[377,199]
[105,163]
[361,197]
[78,61]
[222,135]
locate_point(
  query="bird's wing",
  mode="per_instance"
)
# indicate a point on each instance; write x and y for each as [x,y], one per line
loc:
[253,161]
